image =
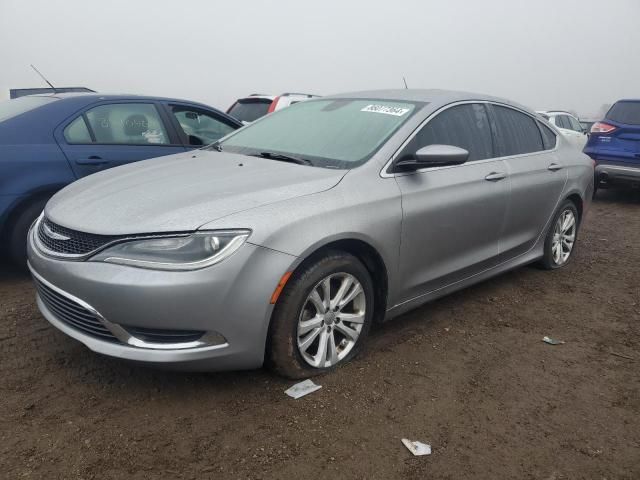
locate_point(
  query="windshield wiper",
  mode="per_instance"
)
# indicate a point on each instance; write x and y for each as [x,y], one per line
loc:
[283,158]
[215,145]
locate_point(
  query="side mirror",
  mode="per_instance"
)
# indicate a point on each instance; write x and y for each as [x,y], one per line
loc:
[435,156]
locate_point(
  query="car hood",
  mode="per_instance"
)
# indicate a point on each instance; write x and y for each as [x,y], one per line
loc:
[181,192]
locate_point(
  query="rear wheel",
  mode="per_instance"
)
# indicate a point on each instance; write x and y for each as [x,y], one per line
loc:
[18,230]
[561,238]
[322,317]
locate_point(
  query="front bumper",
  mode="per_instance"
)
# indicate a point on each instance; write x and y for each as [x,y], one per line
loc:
[229,301]
[607,173]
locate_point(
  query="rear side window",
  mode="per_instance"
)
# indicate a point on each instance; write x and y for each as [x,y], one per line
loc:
[518,133]
[562,122]
[464,126]
[548,137]
[77,132]
[625,112]
[127,124]
[250,109]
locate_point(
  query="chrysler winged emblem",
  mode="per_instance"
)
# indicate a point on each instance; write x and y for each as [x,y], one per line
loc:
[54,235]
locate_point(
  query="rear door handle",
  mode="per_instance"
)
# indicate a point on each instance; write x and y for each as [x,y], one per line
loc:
[554,167]
[495,176]
[92,160]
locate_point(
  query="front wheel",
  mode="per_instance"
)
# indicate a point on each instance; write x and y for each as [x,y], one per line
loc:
[561,238]
[322,317]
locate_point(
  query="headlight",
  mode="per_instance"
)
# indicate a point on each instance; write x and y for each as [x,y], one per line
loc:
[189,252]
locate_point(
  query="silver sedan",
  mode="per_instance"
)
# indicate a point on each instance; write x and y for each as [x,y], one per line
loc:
[285,241]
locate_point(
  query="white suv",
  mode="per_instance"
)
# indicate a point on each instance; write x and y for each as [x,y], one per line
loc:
[257,105]
[569,126]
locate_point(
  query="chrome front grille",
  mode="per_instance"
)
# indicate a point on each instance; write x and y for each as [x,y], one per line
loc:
[61,240]
[73,314]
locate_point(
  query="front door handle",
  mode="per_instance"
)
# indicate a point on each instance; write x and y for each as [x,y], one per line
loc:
[92,160]
[495,176]
[554,167]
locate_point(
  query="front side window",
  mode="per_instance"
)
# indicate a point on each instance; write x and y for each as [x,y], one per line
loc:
[127,124]
[334,133]
[464,126]
[200,128]
[518,132]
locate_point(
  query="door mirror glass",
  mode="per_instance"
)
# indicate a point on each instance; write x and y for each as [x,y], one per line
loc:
[435,156]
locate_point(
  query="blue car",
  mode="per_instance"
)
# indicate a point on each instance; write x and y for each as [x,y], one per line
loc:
[614,144]
[49,141]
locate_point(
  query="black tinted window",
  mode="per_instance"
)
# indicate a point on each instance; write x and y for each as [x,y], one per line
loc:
[575,124]
[561,121]
[548,137]
[464,126]
[250,110]
[625,112]
[518,133]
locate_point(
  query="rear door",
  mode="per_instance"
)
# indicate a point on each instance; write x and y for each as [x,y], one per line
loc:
[537,177]
[116,133]
[452,216]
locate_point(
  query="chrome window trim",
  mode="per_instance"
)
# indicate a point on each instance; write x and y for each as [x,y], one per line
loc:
[385,173]
[209,339]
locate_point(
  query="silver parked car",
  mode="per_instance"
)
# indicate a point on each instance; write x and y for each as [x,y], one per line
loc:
[286,240]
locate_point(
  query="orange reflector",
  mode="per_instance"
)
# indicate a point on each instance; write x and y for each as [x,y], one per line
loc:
[281,284]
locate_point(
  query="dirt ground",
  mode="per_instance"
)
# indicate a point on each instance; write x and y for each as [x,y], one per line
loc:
[468,374]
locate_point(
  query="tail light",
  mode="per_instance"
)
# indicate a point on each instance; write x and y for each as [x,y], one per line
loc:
[272,107]
[602,127]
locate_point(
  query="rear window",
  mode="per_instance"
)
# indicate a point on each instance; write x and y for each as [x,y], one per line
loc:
[625,112]
[251,109]
[18,106]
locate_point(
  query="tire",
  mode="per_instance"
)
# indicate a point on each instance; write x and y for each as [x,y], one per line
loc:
[296,308]
[18,231]
[553,259]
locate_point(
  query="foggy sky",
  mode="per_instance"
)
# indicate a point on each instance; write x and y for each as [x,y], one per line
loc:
[546,54]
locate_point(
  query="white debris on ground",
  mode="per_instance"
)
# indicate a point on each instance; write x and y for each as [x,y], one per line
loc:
[303,388]
[552,341]
[417,448]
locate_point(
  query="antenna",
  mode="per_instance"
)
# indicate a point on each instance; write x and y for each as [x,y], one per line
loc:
[43,77]
[403,79]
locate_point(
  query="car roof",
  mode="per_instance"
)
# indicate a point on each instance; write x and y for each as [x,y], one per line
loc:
[432,96]
[263,96]
[556,112]
[94,96]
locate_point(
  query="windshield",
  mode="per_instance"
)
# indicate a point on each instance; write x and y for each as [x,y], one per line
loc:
[17,106]
[339,133]
[625,112]
[250,109]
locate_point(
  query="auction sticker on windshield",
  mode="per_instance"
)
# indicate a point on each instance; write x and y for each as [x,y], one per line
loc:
[395,111]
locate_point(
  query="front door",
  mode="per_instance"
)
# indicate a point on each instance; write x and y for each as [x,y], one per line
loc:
[453,216]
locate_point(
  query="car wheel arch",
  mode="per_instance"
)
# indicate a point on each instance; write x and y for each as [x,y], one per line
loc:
[19,208]
[363,251]
[578,202]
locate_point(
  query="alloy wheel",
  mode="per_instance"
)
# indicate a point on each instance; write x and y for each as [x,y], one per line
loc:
[331,320]
[564,237]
